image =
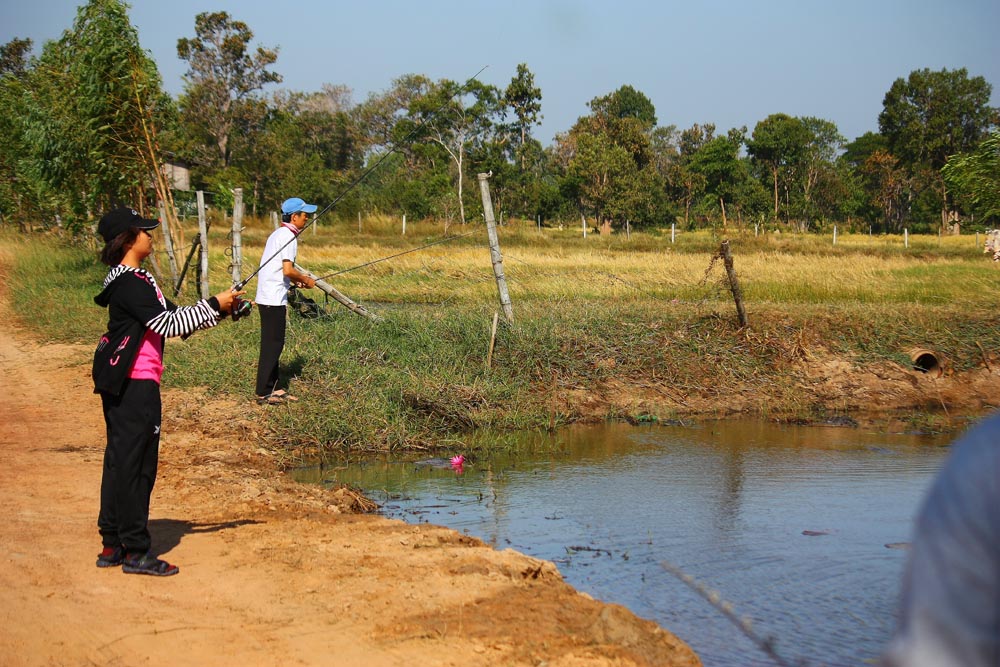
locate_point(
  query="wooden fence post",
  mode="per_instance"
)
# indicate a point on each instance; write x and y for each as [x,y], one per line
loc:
[237,265]
[734,284]
[203,235]
[339,296]
[497,258]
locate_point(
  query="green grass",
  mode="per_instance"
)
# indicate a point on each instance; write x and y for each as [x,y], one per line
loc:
[590,314]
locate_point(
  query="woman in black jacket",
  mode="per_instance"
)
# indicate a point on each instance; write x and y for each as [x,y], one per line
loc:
[128,365]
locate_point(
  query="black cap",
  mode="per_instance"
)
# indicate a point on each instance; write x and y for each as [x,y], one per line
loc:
[120,220]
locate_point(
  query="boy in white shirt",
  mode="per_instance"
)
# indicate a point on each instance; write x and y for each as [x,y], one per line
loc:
[277,274]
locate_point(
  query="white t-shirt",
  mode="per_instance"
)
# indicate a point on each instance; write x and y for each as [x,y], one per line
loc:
[272,285]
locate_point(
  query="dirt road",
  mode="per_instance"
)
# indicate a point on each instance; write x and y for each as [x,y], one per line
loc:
[272,573]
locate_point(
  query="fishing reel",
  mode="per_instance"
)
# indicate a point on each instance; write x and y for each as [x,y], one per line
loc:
[241,308]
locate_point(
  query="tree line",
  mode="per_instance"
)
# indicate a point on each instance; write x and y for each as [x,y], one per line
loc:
[85,125]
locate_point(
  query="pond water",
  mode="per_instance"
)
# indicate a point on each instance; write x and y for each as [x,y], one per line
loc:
[802,529]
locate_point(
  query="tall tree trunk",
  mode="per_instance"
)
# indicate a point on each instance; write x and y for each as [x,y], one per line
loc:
[461,204]
[775,173]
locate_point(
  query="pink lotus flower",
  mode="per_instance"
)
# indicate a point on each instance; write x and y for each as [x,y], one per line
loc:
[457,461]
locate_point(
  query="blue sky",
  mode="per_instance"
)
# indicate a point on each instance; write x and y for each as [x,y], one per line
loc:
[727,62]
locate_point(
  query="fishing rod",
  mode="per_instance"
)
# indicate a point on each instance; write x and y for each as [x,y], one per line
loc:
[398,254]
[243,283]
[744,625]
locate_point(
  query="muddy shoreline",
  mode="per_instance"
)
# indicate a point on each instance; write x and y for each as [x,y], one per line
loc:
[272,572]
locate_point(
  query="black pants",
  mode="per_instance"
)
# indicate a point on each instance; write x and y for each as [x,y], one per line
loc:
[272,342]
[130,458]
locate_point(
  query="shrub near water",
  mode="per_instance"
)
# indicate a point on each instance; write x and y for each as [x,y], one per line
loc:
[642,312]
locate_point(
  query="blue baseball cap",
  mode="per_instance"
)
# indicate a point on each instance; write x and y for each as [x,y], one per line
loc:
[296,205]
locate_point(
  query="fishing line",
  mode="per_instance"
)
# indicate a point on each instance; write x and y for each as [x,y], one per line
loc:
[240,285]
[398,254]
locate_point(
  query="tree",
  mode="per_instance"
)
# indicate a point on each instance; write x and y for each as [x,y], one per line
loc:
[672,154]
[858,198]
[525,100]
[13,69]
[604,172]
[456,118]
[14,57]
[778,144]
[718,163]
[411,180]
[930,116]
[889,187]
[379,114]
[817,165]
[89,110]
[610,164]
[856,152]
[222,79]
[975,178]
[626,102]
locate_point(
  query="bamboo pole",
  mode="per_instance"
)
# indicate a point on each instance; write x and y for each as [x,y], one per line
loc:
[497,258]
[203,235]
[339,296]
[168,241]
[237,265]
[734,283]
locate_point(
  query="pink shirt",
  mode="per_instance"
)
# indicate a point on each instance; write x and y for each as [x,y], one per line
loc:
[149,362]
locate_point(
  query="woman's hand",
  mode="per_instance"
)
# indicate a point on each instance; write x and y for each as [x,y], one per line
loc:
[226,299]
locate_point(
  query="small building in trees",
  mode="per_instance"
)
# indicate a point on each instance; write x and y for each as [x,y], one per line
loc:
[177,173]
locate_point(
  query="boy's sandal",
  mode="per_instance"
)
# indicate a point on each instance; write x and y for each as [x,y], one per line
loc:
[111,556]
[285,396]
[148,564]
[270,399]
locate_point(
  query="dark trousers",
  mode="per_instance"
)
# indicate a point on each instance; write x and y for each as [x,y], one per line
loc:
[130,458]
[272,342]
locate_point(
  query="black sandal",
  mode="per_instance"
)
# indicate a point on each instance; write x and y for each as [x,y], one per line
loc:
[111,556]
[148,564]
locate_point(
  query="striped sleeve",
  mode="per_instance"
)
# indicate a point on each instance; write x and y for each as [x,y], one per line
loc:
[184,320]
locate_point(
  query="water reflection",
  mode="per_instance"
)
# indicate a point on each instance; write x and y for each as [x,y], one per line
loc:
[790,524]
